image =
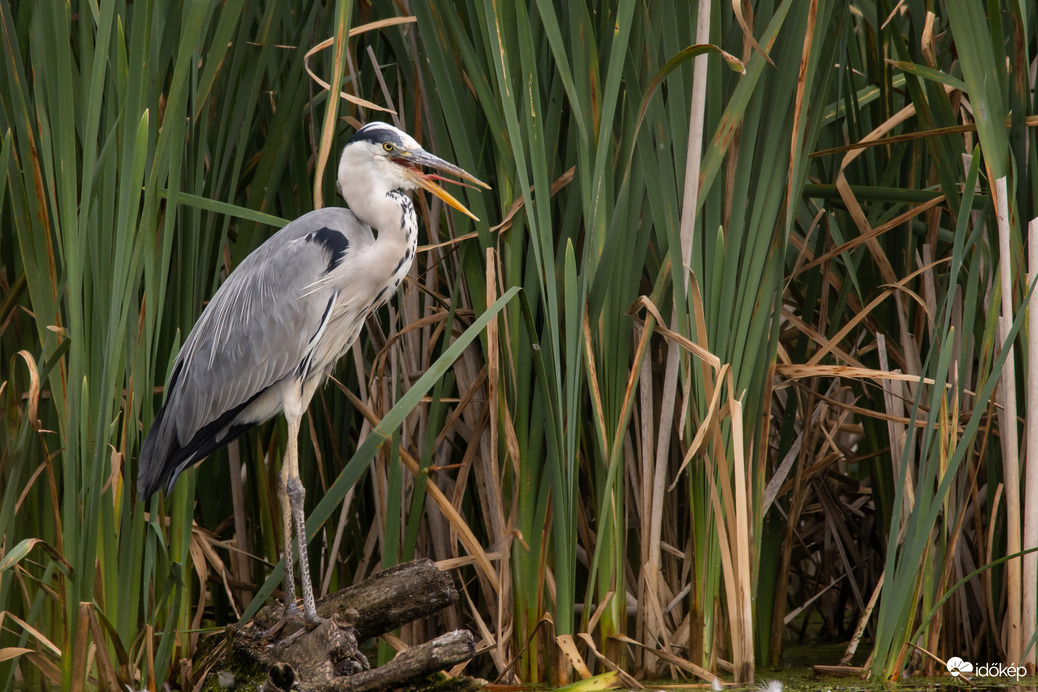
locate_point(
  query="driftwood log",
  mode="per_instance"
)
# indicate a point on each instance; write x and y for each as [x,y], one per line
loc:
[284,654]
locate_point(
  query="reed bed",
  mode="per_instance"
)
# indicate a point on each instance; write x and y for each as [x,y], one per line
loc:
[737,356]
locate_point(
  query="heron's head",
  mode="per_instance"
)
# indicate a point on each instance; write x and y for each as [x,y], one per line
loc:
[379,156]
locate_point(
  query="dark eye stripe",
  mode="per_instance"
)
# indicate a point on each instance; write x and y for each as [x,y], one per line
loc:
[377,133]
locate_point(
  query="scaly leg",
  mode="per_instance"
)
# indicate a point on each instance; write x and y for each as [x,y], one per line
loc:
[296,494]
[291,608]
[292,500]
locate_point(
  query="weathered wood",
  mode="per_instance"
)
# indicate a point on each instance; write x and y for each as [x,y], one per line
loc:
[383,602]
[292,656]
[441,652]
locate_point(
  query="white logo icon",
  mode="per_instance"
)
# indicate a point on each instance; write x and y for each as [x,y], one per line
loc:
[957,666]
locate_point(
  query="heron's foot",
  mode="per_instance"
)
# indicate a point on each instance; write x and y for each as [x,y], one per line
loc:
[329,638]
[345,655]
[272,632]
[291,624]
[312,620]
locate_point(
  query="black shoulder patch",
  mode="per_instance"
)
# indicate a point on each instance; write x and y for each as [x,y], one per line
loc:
[335,242]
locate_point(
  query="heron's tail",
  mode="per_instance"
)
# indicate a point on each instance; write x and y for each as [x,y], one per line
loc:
[160,461]
[164,456]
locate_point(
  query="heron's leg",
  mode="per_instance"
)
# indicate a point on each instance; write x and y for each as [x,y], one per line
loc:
[296,496]
[297,493]
[286,524]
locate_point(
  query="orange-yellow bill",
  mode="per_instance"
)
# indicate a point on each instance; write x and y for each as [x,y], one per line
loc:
[426,180]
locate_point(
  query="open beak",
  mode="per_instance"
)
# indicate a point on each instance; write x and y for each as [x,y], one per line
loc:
[412,169]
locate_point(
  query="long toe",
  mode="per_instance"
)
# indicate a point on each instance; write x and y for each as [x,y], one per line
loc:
[292,623]
[312,618]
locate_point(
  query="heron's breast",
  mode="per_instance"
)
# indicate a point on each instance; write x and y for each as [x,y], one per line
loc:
[368,277]
[343,328]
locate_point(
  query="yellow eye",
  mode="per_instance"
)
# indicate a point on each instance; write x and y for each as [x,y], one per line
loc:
[388,146]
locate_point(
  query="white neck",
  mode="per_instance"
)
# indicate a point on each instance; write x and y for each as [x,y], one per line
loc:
[388,211]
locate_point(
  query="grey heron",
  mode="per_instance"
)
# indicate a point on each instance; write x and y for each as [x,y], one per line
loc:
[275,328]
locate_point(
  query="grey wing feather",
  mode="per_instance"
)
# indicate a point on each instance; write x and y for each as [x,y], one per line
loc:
[255,331]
